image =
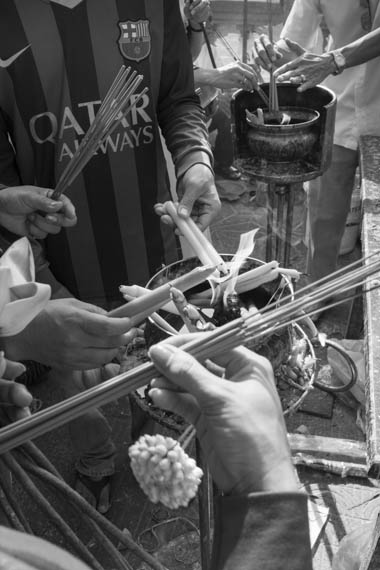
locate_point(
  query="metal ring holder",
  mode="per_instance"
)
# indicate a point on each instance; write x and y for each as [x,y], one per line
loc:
[351,364]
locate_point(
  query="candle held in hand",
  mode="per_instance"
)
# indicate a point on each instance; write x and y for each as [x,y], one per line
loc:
[142,307]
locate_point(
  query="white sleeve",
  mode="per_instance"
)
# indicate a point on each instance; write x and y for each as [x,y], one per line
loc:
[302,24]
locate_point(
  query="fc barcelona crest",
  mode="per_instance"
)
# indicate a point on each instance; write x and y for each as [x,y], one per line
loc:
[134,40]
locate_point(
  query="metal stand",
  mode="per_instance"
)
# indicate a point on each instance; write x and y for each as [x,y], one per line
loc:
[280,197]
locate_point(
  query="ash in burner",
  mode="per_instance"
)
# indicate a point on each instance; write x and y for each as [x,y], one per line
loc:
[285,117]
[279,121]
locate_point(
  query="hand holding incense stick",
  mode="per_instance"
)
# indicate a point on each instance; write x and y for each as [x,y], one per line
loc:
[118,102]
[203,346]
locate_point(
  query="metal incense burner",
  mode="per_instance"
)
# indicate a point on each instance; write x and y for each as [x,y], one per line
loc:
[284,155]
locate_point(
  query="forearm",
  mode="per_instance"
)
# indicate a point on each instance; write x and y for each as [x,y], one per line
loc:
[302,24]
[210,77]
[180,114]
[187,138]
[262,530]
[195,39]
[362,50]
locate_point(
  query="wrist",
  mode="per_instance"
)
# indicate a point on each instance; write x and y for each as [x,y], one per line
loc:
[194,26]
[280,479]
[338,61]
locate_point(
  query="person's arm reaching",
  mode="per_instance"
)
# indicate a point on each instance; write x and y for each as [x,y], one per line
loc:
[262,517]
[196,12]
[301,26]
[71,334]
[313,68]
[22,209]
[182,122]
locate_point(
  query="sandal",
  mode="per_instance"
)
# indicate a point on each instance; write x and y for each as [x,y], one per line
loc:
[95,491]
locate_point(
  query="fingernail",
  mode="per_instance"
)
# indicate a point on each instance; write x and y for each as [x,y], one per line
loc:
[54,204]
[162,351]
[183,211]
[24,392]
[52,219]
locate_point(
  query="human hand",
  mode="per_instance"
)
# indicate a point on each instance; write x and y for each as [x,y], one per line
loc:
[235,75]
[20,207]
[197,195]
[239,419]
[71,334]
[308,69]
[73,382]
[197,11]
[14,397]
[266,54]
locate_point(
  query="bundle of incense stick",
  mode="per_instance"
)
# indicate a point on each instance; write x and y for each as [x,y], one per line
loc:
[118,102]
[234,55]
[247,328]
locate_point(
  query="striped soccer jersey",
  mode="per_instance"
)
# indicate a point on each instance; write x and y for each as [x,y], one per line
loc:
[57,61]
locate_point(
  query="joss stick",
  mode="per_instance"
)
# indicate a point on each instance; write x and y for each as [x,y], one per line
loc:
[234,55]
[202,346]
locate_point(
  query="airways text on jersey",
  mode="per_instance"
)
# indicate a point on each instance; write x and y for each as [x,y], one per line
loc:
[66,131]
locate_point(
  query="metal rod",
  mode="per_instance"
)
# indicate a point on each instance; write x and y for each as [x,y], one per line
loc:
[269,242]
[245,31]
[289,223]
[280,199]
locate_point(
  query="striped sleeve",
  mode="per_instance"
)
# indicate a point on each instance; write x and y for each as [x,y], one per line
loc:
[180,114]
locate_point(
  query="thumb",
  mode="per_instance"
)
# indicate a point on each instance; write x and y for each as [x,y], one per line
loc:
[294,46]
[183,370]
[101,325]
[14,394]
[13,370]
[37,201]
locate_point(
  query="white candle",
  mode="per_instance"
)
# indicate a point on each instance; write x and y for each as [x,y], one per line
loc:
[154,300]
[197,240]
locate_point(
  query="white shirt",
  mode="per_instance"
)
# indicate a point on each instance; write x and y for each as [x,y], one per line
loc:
[357,88]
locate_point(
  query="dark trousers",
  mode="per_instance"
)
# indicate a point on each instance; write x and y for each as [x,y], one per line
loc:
[223,150]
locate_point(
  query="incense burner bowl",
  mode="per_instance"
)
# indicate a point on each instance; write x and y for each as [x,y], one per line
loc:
[285,153]
[276,142]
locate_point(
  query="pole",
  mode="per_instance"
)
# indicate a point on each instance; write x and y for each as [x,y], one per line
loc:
[245,31]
